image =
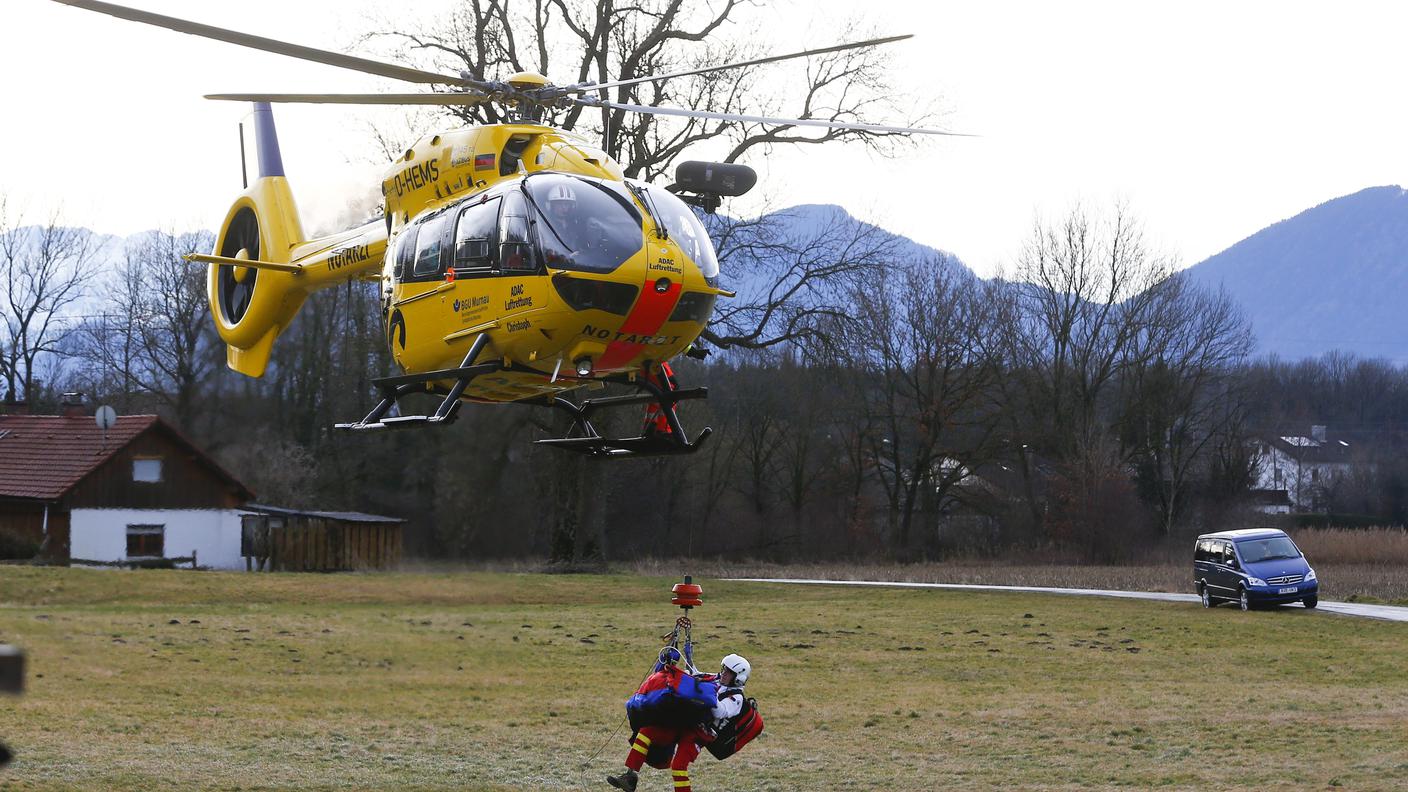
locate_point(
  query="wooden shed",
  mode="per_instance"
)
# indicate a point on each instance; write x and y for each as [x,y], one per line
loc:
[288,540]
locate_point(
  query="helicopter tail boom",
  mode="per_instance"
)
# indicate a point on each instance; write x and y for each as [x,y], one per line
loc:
[252,303]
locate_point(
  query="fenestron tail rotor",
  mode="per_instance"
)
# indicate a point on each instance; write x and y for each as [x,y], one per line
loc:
[235,285]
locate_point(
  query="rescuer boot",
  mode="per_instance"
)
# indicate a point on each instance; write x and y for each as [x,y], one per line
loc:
[626,781]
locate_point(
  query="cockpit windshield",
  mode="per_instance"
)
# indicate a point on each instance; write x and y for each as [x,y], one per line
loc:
[588,224]
[684,227]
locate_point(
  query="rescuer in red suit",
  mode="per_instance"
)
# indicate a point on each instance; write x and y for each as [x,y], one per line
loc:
[733,674]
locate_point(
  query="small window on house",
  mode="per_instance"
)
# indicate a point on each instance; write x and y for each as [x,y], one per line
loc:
[148,470]
[146,541]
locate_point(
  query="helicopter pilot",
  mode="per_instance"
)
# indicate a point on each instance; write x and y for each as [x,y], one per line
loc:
[562,205]
[573,221]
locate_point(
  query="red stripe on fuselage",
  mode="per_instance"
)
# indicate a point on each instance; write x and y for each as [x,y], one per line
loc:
[649,313]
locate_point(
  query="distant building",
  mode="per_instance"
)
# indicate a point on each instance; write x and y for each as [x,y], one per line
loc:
[292,540]
[1304,466]
[138,491]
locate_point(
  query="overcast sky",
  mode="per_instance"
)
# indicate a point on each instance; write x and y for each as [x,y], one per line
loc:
[1210,119]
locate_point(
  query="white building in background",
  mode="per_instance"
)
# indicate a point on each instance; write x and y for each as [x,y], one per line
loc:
[138,491]
[1303,466]
[210,536]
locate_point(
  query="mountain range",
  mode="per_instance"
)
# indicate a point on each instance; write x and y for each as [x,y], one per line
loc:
[1333,277]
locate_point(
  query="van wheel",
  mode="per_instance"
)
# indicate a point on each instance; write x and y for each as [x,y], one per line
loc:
[1208,601]
[1311,601]
[1244,600]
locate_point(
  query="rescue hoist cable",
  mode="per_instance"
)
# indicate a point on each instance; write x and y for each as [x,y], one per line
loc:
[582,775]
[687,595]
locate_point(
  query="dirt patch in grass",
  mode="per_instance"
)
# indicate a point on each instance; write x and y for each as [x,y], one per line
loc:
[174,679]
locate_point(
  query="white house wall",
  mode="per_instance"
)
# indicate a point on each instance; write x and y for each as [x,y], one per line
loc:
[214,534]
[1300,481]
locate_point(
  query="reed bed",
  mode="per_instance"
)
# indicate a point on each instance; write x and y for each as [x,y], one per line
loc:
[1353,564]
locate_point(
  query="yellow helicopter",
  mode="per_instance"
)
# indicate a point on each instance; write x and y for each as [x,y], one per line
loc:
[516,262]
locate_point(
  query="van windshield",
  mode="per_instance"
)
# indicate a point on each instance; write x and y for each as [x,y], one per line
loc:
[1269,549]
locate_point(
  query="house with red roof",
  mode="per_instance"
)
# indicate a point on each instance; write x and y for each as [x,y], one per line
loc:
[138,490]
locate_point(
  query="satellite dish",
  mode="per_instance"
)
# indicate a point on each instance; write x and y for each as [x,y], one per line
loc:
[106,417]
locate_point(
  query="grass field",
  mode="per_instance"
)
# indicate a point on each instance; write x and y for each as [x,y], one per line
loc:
[178,679]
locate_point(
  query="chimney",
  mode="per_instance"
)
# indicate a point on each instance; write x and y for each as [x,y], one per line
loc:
[1317,433]
[72,406]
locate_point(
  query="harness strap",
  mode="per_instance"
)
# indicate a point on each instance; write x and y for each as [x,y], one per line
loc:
[686,626]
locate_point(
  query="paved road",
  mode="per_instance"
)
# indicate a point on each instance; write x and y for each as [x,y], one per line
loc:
[1386,612]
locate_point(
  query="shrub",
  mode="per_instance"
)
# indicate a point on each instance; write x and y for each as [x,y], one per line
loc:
[14,547]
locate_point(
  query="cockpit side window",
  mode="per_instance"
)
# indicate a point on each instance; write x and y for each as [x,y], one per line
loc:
[515,244]
[475,236]
[406,251]
[686,230]
[430,247]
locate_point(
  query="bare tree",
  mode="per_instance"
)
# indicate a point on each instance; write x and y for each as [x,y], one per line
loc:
[44,270]
[603,40]
[1082,295]
[1077,312]
[921,337]
[790,271]
[153,334]
[110,342]
[1182,392]
[1094,507]
[179,351]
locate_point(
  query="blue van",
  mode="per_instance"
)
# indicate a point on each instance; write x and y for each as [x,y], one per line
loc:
[1252,567]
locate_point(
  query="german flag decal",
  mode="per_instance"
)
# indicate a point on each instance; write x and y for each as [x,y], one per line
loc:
[483,162]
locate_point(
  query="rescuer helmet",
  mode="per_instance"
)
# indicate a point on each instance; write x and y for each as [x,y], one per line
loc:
[739,666]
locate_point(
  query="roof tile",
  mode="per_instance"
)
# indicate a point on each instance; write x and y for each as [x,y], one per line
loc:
[43,456]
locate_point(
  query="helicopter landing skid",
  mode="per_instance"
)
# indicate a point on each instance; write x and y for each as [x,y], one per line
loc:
[394,388]
[666,440]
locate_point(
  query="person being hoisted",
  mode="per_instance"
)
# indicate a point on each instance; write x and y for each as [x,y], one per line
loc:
[676,745]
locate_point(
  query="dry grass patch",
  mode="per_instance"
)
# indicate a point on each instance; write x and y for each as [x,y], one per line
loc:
[1350,546]
[173,679]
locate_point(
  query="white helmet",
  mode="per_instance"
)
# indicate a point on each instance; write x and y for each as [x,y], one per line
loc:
[562,193]
[740,668]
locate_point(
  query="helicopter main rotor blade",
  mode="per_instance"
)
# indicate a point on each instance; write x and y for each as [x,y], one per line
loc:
[445,99]
[269,45]
[809,122]
[581,87]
